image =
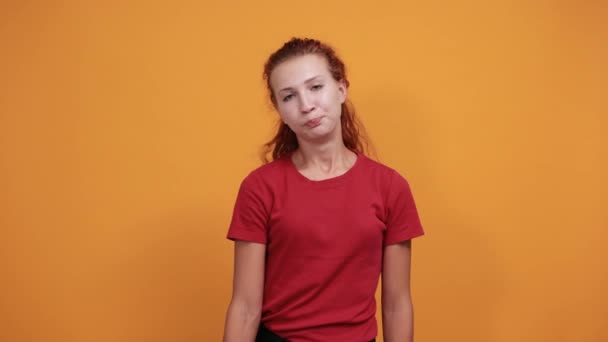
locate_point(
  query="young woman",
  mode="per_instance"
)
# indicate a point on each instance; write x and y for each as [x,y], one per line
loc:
[315,227]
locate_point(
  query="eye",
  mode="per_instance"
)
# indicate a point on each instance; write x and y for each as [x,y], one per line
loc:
[317,87]
[287,98]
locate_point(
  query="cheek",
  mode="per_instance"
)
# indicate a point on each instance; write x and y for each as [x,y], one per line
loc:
[332,96]
[285,112]
[333,101]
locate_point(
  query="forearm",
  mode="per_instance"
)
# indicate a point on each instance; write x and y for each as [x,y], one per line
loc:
[398,322]
[242,324]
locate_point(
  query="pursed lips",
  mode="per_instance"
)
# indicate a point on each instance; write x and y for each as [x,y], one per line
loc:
[314,122]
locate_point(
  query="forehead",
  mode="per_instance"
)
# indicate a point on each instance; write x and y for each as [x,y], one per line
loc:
[297,70]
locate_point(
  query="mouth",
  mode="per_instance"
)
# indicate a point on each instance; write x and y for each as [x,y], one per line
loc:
[314,122]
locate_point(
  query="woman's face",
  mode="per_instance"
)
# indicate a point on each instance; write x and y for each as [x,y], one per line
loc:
[308,98]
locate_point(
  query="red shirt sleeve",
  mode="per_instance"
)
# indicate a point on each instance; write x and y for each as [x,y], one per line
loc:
[251,211]
[403,221]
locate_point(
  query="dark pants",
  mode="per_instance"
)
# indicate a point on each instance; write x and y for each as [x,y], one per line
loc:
[265,335]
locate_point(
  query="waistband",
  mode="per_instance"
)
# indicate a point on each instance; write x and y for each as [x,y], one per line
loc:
[265,335]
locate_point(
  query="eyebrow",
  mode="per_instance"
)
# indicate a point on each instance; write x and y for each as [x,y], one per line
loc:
[307,81]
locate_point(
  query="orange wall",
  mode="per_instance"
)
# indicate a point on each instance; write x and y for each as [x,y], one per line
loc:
[125,131]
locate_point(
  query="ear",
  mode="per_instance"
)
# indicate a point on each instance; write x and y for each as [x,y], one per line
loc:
[343,90]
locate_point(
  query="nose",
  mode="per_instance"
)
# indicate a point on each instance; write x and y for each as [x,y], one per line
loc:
[306,104]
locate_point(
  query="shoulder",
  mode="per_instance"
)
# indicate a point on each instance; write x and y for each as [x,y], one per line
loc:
[269,170]
[387,181]
[264,176]
[384,174]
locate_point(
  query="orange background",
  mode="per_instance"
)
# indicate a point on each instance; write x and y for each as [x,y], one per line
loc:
[125,130]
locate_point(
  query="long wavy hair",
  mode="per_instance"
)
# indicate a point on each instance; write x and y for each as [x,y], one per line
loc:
[285,141]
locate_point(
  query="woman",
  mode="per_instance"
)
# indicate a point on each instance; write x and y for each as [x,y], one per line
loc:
[315,227]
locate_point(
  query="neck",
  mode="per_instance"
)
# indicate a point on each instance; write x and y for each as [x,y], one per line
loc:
[328,158]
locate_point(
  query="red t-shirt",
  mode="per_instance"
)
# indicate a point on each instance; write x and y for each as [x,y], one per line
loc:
[324,242]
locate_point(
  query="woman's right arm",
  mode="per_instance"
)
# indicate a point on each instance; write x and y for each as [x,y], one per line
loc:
[244,311]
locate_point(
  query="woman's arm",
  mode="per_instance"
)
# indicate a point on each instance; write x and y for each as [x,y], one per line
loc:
[397,311]
[244,312]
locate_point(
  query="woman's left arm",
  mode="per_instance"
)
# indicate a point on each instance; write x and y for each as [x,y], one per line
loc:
[397,309]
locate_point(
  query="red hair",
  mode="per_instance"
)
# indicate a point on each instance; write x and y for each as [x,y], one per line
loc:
[285,142]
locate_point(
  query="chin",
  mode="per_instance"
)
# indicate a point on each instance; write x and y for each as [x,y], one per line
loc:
[320,135]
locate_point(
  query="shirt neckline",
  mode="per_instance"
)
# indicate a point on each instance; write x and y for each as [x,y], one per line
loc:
[329,181]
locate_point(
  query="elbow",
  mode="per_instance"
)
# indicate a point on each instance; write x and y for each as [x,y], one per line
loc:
[242,321]
[397,303]
[248,311]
